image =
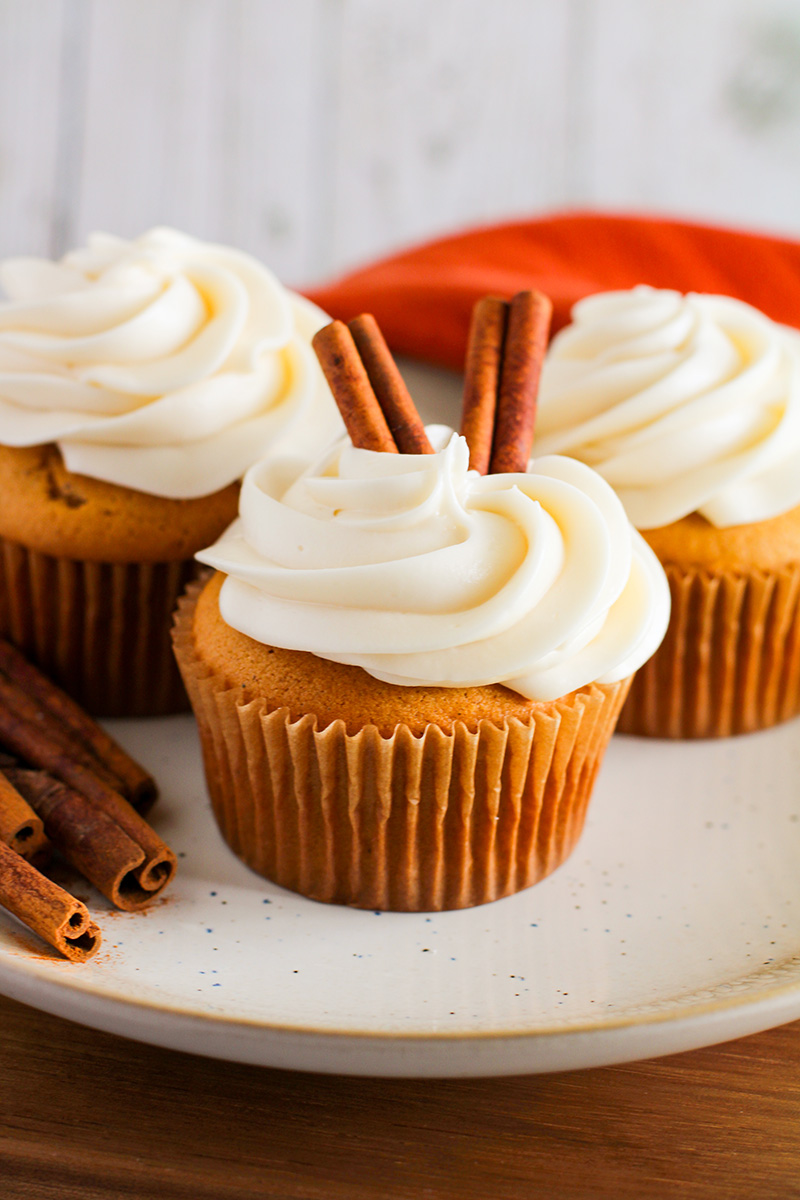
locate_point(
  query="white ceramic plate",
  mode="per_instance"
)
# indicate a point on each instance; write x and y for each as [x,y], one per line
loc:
[674,925]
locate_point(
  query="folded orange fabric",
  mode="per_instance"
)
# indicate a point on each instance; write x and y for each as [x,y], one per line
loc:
[423,297]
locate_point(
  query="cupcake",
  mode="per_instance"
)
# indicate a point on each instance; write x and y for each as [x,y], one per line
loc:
[406,674]
[138,381]
[689,406]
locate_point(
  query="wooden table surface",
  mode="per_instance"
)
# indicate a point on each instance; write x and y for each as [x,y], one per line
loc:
[89,1116]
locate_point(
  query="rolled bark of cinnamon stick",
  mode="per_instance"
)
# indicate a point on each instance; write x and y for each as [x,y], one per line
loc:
[523,353]
[351,388]
[42,746]
[20,827]
[86,837]
[124,773]
[398,408]
[482,379]
[47,909]
[17,701]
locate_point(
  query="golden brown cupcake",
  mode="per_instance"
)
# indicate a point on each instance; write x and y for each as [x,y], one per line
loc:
[408,679]
[90,574]
[138,381]
[730,662]
[689,406]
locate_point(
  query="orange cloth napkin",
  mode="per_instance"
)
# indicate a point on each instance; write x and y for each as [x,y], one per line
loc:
[423,297]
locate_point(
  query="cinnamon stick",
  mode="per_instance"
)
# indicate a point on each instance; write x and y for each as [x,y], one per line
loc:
[86,837]
[20,827]
[523,352]
[13,697]
[42,745]
[47,909]
[389,387]
[122,772]
[482,379]
[351,388]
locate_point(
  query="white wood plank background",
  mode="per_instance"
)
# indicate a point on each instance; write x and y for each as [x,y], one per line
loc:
[319,133]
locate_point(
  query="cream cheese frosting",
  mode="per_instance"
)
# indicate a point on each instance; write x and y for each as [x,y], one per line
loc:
[425,573]
[682,403]
[164,364]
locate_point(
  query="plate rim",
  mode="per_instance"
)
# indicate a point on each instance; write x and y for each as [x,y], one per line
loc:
[19,967]
[383,1054]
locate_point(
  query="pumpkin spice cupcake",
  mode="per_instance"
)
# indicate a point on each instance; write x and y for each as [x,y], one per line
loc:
[138,381]
[689,406]
[406,673]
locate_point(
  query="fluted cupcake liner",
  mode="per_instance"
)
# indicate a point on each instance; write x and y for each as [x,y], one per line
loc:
[730,662]
[101,630]
[408,822]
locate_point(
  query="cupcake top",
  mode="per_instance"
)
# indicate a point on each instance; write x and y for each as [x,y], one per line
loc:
[164,364]
[425,573]
[683,404]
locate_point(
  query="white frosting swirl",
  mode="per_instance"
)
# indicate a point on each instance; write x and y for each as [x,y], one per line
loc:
[683,403]
[425,573]
[165,364]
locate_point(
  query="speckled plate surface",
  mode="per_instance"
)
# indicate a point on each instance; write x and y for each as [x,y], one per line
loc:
[674,925]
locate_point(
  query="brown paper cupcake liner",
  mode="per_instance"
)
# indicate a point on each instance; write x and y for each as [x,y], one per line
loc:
[407,822]
[730,662]
[101,630]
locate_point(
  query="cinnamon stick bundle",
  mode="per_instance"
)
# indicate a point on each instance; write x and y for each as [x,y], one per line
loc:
[369,391]
[76,803]
[86,837]
[42,743]
[507,343]
[20,827]
[505,352]
[46,908]
[88,741]
[351,388]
